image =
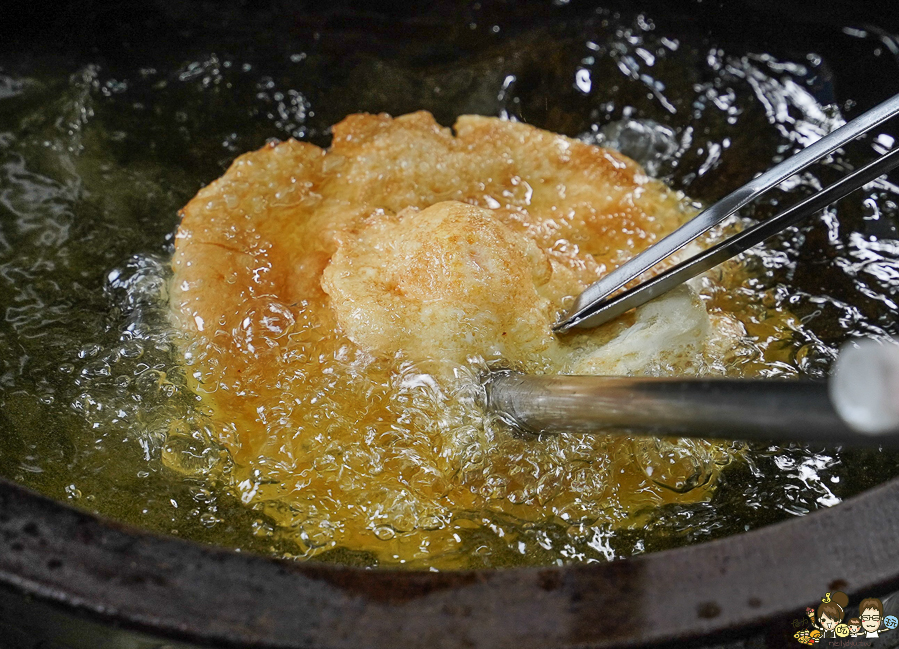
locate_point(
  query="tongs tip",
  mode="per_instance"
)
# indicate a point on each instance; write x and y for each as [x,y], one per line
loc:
[568,321]
[562,326]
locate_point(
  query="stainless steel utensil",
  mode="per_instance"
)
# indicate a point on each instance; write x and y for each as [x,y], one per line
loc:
[858,406]
[593,307]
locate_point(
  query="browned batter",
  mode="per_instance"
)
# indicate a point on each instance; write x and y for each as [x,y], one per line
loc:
[340,304]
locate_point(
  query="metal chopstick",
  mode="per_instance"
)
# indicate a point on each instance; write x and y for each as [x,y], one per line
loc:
[590,310]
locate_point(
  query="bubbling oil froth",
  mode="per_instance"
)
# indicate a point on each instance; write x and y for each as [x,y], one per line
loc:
[100,365]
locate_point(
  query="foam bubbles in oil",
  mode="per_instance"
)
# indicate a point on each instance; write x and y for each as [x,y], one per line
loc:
[98,407]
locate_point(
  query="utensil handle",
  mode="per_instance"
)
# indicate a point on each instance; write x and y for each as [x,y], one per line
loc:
[864,388]
[745,409]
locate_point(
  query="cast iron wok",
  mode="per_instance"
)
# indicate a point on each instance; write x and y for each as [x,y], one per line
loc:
[69,578]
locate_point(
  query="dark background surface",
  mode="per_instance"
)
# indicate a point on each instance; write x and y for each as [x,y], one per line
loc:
[115,29]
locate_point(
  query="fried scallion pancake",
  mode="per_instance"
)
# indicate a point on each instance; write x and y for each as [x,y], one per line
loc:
[338,306]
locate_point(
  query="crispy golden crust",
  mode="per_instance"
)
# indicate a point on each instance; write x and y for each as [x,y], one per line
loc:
[270,225]
[313,284]
[447,282]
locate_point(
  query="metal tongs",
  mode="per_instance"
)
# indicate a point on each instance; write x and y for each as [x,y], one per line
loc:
[593,307]
[836,411]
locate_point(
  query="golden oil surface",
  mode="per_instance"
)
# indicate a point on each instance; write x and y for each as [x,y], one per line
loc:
[98,153]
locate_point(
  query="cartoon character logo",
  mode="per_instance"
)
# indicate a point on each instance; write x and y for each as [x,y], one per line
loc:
[871,613]
[827,620]
[830,613]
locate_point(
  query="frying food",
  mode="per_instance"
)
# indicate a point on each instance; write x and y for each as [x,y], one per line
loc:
[339,305]
[446,282]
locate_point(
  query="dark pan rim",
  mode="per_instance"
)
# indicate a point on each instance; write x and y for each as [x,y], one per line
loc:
[180,589]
